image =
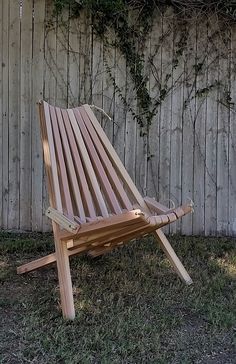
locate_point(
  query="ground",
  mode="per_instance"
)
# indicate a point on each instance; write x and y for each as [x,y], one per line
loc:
[131,307]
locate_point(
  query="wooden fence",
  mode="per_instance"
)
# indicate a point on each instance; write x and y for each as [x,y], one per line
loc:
[187,152]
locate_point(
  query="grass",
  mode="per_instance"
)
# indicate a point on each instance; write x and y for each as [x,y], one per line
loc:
[131,307]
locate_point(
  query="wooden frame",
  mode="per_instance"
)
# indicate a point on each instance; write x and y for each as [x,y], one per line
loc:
[94,204]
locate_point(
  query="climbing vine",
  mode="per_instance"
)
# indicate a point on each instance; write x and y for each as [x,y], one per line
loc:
[132,21]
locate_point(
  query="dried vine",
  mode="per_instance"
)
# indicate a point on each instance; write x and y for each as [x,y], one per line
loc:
[131,33]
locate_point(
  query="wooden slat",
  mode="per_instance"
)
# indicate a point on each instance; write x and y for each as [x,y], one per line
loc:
[74,186]
[50,158]
[5,110]
[1,113]
[85,56]
[110,171]
[109,61]
[37,94]
[88,165]
[98,167]
[14,116]
[61,64]
[176,125]
[211,130]
[223,136]
[199,134]
[232,139]
[166,108]
[65,188]
[74,47]
[119,115]
[25,113]
[188,123]
[154,91]
[85,192]
[49,87]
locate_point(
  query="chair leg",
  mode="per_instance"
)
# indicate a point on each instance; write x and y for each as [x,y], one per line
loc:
[170,253]
[64,276]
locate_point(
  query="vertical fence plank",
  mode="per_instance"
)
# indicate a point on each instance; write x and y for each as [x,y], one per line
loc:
[222,135]
[142,132]
[1,114]
[97,74]
[232,138]
[50,76]
[211,129]
[130,126]
[165,109]
[25,114]
[119,116]
[154,90]
[14,115]
[176,123]
[188,115]
[199,129]
[61,67]
[5,109]
[108,86]
[85,91]
[74,62]
[37,94]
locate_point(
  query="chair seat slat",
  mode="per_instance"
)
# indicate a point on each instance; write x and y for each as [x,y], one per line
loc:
[61,163]
[70,167]
[50,158]
[97,165]
[88,165]
[85,192]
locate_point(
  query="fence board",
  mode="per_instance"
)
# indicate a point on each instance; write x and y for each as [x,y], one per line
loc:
[5,110]
[1,113]
[14,116]
[222,137]
[211,133]
[199,131]
[25,113]
[37,94]
[154,90]
[176,126]
[188,115]
[232,138]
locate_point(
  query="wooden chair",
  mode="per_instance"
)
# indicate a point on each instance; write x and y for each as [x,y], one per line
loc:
[94,205]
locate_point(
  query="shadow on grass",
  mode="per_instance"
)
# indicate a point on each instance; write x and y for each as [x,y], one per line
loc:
[130,305]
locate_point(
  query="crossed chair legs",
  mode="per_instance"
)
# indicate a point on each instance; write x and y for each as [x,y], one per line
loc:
[62,254]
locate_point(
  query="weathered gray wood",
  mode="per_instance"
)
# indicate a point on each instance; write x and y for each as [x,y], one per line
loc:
[1,113]
[25,95]
[119,117]
[211,131]
[74,62]
[37,94]
[188,114]
[232,139]
[223,135]
[199,130]
[154,90]
[14,118]
[189,150]
[5,111]
[176,124]
[61,66]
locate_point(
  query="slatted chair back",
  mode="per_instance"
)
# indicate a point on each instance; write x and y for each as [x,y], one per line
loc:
[85,175]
